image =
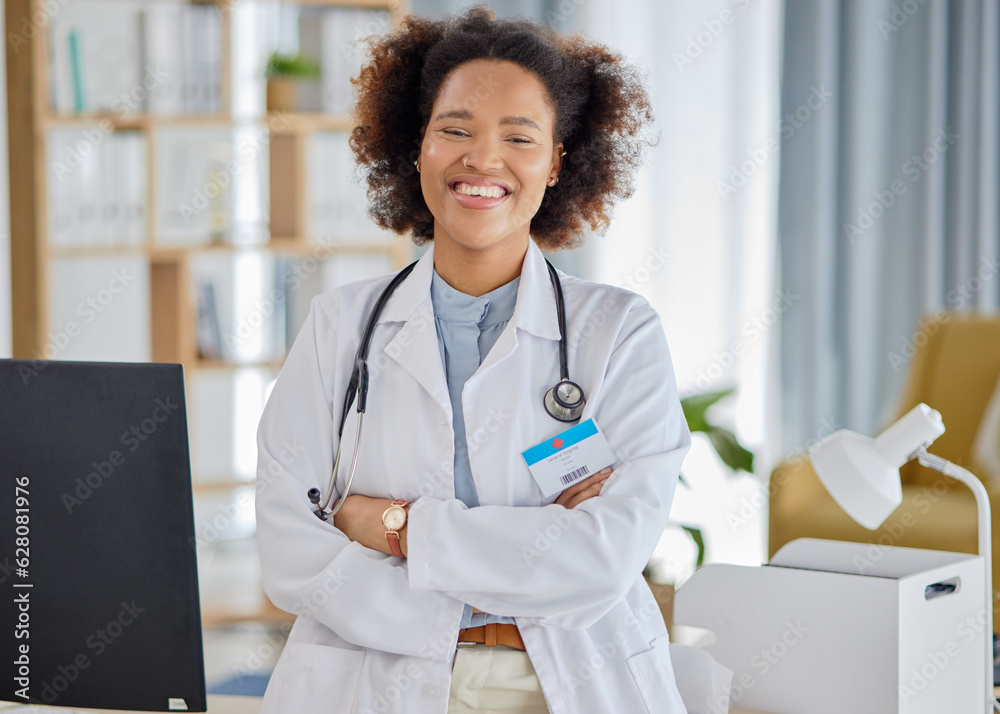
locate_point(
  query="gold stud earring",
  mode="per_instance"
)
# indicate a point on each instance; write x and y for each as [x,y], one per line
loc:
[416,162]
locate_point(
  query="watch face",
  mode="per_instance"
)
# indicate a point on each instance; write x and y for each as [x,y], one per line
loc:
[394,518]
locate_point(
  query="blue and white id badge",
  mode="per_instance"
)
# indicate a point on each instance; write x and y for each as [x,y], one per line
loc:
[561,461]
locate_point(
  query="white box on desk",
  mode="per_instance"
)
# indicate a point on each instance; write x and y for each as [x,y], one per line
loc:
[830,627]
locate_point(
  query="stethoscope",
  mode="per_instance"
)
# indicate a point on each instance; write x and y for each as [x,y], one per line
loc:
[564,402]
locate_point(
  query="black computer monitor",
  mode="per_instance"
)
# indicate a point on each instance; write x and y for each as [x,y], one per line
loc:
[98,576]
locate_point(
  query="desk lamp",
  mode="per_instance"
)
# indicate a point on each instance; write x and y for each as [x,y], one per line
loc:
[862,475]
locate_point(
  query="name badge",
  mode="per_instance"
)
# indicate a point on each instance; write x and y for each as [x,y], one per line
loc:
[568,457]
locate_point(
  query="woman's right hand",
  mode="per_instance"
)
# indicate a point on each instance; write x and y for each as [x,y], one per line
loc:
[588,488]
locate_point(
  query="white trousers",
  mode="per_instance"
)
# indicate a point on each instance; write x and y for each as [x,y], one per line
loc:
[485,680]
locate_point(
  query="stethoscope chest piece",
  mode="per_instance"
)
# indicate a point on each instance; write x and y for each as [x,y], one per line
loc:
[565,401]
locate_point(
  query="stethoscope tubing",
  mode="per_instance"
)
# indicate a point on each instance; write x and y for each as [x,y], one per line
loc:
[358,388]
[336,469]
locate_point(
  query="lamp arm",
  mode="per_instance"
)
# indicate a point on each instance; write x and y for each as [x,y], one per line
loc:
[985,546]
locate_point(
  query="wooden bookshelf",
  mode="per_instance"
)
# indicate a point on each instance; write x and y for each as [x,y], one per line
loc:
[30,119]
[173,318]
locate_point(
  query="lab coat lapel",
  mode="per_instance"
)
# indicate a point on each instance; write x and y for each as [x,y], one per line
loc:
[415,346]
[534,311]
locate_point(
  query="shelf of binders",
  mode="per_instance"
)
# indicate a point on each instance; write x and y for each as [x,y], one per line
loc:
[204,322]
[126,61]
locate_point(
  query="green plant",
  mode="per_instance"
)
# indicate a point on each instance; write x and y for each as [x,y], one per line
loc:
[732,453]
[727,446]
[297,66]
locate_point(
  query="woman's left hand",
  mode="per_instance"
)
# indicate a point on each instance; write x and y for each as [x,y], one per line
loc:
[584,490]
[360,519]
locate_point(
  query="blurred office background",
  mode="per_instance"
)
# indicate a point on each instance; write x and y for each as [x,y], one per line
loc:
[827,172]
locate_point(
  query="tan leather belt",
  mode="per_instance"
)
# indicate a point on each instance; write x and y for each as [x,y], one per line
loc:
[492,635]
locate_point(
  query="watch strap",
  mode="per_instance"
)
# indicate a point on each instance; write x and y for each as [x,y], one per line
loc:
[393,538]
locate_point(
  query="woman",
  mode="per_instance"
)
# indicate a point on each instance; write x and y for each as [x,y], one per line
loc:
[448,582]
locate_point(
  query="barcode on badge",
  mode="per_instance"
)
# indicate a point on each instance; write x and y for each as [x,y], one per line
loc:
[574,475]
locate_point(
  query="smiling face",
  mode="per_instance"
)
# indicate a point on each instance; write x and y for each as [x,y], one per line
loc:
[487,156]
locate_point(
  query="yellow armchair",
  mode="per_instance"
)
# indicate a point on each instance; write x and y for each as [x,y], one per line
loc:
[954,369]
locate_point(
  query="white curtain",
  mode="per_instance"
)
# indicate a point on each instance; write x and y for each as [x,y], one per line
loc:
[707,201]
[889,195]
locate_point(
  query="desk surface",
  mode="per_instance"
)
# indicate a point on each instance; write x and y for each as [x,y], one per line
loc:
[217,704]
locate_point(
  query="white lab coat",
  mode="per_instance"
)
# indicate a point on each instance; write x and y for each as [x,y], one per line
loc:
[377,633]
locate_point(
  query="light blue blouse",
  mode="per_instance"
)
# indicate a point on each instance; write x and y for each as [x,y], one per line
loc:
[467,329]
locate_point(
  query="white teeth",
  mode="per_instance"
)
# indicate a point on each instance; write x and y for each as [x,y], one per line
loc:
[485,191]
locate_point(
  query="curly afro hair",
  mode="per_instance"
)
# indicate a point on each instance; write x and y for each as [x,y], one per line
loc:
[601,107]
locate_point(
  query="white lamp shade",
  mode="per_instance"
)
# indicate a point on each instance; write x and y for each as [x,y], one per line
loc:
[862,474]
[857,476]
